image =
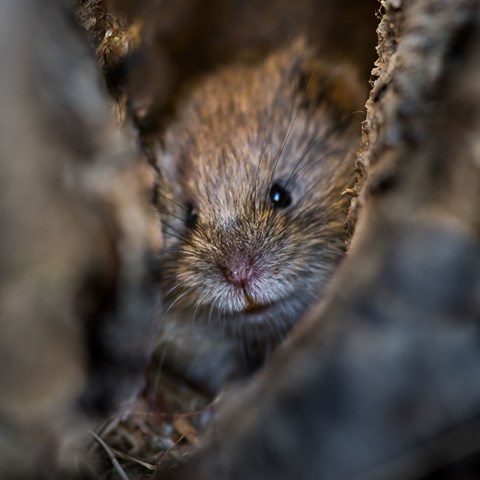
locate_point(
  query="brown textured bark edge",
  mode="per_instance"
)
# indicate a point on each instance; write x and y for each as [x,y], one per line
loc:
[404,91]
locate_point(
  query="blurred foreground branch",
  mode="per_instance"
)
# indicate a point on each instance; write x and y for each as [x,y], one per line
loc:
[75,309]
[381,381]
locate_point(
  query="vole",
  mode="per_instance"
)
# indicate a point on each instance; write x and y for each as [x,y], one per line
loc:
[251,175]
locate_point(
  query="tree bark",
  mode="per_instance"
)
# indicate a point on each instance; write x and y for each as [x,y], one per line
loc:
[151,52]
[75,306]
[379,381]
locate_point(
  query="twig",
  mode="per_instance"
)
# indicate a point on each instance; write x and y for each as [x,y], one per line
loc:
[111,456]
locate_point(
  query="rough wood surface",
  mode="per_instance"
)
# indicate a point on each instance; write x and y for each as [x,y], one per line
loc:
[379,382]
[76,312]
[150,51]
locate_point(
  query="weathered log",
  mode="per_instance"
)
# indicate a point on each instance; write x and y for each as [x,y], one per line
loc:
[76,311]
[151,51]
[381,380]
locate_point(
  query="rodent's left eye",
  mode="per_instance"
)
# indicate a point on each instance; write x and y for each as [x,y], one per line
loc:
[191,215]
[280,196]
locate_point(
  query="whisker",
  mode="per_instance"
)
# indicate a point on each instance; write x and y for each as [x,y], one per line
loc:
[264,149]
[199,303]
[173,201]
[171,290]
[173,304]
[314,185]
[166,212]
[282,147]
[325,136]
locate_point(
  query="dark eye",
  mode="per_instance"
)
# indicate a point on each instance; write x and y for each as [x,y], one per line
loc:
[191,215]
[279,196]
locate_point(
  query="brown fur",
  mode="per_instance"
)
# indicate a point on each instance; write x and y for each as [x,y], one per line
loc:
[289,121]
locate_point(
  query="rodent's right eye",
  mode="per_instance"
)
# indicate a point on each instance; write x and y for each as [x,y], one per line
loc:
[191,215]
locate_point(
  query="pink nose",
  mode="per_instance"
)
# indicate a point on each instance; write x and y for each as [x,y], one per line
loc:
[239,272]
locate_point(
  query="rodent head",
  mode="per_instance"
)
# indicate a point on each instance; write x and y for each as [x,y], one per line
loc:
[250,196]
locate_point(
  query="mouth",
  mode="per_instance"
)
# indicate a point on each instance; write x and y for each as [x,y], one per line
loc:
[257,308]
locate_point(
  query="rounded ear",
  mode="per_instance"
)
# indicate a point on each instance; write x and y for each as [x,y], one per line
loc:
[335,86]
[320,83]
